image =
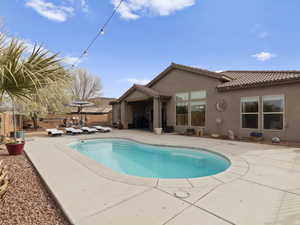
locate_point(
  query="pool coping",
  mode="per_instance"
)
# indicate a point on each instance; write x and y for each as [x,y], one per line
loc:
[238,166]
[90,194]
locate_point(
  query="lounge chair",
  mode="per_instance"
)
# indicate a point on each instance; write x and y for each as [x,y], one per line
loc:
[103,129]
[54,132]
[71,130]
[88,130]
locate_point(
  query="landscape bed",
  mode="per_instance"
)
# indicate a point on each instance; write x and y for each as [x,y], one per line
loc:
[27,201]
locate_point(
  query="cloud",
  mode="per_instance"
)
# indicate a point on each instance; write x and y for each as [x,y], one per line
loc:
[263,35]
[29,45]
[137,81]
[57,13]
[134,9]
[264,56]
[67,60]
[51,11]
[83,4]
[70,60]
[260,31]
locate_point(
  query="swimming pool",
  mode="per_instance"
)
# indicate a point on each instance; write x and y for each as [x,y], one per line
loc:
[132,158]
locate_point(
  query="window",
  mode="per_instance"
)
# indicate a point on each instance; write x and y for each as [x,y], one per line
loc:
[249,112]
[273,112]
[198,113]
[198,95]
[182,113]
[182,96]
[190,108]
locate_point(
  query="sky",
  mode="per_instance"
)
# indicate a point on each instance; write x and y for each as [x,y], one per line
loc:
[146,36]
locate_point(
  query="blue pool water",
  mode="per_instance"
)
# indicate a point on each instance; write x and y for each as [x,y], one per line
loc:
[143,160]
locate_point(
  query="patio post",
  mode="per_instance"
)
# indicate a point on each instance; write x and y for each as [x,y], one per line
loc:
[156,113]
[124,114]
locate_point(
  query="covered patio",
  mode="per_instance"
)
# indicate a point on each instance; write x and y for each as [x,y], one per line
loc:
[143,108]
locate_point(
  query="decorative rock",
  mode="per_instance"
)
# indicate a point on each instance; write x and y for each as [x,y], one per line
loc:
[26,200]
[231,135]
[3,179]
[215,135]
[276,140]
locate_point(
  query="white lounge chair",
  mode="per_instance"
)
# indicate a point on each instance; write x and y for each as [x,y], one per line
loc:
[54,132]
[89,130]
[71,130]
[103,129]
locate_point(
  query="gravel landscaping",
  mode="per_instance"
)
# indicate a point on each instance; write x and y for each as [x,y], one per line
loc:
[27,201]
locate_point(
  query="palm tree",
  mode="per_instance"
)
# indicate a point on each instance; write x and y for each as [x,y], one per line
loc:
[23,74]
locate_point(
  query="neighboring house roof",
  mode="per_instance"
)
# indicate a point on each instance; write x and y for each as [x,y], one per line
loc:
[146,90]
[101,106]
[202,72]
[95,109]
[251,79]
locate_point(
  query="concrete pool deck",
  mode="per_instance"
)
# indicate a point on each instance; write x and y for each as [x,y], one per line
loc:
[262,185]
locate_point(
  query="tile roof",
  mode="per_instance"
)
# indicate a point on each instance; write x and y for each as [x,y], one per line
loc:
[249,79]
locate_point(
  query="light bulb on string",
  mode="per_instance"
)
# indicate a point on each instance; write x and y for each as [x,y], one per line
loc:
[73,67]
[101,32]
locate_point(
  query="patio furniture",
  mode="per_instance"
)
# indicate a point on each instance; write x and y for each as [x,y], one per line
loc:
[256,136]
[103,129]
[73,131]
[88,130]
[200,132]
[158,131]
[54,132]
[169,129]
[190,131]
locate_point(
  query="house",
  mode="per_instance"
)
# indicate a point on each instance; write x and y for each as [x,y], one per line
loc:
[6,123]
[241,101]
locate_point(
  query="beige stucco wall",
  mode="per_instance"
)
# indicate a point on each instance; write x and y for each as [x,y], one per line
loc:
[231,117]
[136,96]
[181,81]
[116,113]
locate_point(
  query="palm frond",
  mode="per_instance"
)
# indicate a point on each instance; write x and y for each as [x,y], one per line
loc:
[21,76]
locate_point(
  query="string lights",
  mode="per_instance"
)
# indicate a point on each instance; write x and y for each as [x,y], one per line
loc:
[101,32]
